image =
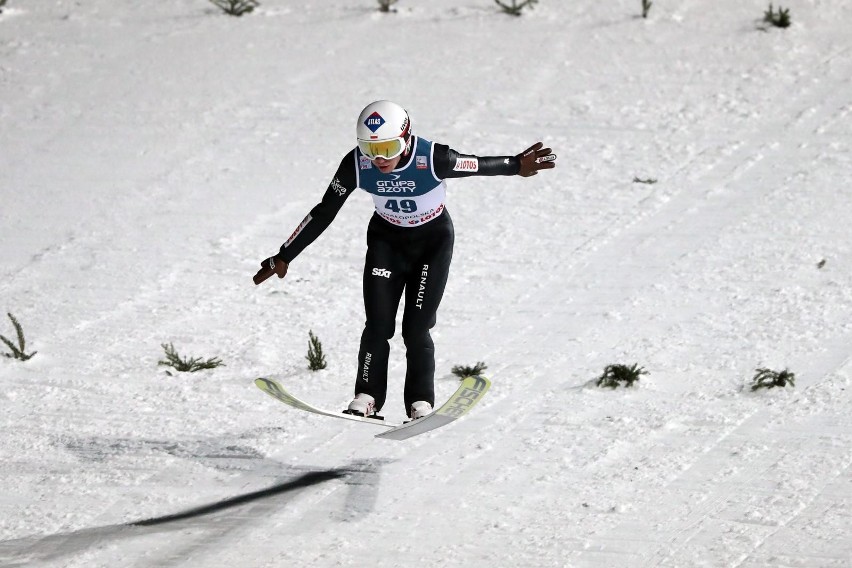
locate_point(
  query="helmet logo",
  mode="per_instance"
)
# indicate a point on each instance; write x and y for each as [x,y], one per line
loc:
[374,122]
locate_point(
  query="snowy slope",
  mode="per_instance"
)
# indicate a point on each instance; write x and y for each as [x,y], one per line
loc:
[152,153]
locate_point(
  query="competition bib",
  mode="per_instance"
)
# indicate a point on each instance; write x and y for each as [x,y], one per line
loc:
[411,210]
[409,196]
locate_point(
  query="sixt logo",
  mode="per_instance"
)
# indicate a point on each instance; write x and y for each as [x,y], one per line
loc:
[374,122]
[383,272]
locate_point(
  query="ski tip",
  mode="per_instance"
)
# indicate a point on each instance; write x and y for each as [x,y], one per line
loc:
[480,381]
[270,387]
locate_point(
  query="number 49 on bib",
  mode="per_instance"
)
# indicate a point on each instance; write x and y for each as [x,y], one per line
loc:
[402,205]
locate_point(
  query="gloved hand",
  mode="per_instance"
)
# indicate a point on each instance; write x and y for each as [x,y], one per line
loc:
[270,266]
[535,158]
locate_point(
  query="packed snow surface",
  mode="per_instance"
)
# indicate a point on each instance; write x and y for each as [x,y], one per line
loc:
[153,153]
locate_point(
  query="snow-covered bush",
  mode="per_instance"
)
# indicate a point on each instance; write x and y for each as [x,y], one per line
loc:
[187,365]
[779,19]
[648,181]
[767,379]
[516,6]
[236,7]
[315,357]
[19,351]
[462,371]
[618,375]
[385,5]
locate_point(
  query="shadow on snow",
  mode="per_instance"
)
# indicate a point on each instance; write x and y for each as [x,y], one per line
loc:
[251,506]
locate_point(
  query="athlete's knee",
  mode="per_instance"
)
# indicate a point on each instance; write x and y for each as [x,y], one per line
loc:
[379,331]
[417,338]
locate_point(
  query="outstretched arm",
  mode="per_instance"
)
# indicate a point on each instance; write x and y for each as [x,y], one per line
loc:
[313,225]
[452,164]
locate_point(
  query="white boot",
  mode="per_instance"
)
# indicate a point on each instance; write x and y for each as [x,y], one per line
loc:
[419,409]
[362,405]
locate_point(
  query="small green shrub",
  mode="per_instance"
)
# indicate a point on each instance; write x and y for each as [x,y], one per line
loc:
[617,375]
[648,181]
[385,5]
[187,365]
[236,7]
[462,371]
[516,6]
[767,379]
[315,357]
[779,19]
[646,7]
[19,351]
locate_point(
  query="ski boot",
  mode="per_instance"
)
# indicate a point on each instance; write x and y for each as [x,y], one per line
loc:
[419,409]
[363,405]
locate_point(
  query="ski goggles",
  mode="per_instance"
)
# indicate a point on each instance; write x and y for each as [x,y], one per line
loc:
[387,149]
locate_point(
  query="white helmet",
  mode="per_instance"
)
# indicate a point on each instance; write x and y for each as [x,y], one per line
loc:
[383,130]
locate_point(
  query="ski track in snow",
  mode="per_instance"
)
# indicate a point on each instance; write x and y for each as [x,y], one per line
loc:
[699,278]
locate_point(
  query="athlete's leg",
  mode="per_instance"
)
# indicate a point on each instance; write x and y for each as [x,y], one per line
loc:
[424,290]
[383,284]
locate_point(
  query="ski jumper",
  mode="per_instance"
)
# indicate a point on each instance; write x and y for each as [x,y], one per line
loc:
[409,250]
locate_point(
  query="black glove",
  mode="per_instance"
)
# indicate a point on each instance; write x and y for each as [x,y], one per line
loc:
[535,158]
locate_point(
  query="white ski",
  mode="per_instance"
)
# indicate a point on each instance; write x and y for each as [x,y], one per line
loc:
[470,392]
[275,390]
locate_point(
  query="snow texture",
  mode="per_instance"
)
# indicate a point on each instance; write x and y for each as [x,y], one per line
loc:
[152,153]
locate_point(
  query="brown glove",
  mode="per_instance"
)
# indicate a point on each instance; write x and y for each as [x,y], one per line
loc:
[535,158]
[270,266]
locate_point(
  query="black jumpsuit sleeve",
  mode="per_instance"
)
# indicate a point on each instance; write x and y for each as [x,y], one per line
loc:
[321,216]
[451,164]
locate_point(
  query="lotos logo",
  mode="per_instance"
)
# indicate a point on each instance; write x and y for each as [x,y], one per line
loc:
[466,165]
[374,122]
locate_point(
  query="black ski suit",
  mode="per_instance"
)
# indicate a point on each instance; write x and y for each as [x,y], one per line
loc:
[409,249]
